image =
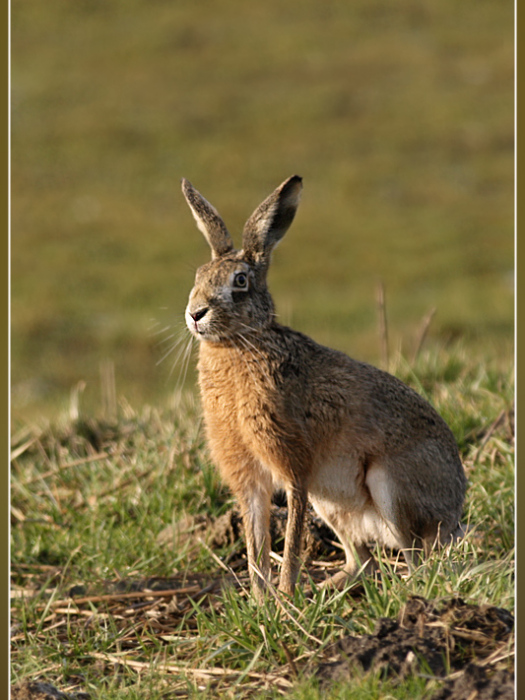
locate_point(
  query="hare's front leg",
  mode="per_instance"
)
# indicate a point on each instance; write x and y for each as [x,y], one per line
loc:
[297,497]
[255,502]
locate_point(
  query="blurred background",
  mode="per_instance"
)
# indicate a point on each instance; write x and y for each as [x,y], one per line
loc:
[399,117]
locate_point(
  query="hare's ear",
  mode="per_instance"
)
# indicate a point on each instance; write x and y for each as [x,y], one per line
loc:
[270,221]
[208,221]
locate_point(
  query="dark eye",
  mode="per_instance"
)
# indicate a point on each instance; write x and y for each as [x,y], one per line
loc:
[240,280]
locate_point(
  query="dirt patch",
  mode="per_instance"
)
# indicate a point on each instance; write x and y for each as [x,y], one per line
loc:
[38,690]
[467,643]
[478,683]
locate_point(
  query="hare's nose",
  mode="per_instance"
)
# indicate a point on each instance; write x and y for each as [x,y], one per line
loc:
[199,314]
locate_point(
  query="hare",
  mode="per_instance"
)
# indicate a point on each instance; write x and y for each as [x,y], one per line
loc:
[376,461]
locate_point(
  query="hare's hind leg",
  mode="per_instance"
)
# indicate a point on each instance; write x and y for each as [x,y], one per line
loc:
[358,556]
[398,519]
[359,560]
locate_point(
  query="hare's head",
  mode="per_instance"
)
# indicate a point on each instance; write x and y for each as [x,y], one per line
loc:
[230,296]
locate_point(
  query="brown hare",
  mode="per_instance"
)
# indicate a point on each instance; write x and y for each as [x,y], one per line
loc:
[373,457]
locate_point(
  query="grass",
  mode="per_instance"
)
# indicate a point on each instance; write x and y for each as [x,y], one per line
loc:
[399,118]
[91,495]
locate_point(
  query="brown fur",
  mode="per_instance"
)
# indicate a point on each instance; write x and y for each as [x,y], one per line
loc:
[374,457]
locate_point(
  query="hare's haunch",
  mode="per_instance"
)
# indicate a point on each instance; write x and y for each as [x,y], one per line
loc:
[375,459]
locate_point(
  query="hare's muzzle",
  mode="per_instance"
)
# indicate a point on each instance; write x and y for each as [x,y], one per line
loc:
[195,317]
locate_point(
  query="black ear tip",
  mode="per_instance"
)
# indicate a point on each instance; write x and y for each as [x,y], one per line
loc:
[295,181]
[292,186]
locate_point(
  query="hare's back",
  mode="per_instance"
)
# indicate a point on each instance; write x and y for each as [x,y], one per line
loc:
[376,400]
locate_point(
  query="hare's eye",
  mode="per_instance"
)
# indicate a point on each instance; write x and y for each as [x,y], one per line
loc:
[240,280]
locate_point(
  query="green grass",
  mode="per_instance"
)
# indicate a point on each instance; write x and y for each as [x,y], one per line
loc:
[91,495]
[399,118]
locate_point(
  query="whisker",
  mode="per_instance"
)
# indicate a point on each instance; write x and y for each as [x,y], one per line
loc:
[173,346]
[184,366]
[167,354]
[166,339]
[265,341]
[249,328]
[251,349]
[180,336]
[179,354]
[162,330]
[254,348]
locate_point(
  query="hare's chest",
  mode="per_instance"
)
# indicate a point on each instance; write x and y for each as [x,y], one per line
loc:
[238,412]
[239,398]
[219,399]
[232,382]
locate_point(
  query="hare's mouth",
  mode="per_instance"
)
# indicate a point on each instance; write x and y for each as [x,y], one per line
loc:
[192,321]
[200,324]
[198,330]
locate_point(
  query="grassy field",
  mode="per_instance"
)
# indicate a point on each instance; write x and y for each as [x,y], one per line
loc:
[399,118]
[101,604]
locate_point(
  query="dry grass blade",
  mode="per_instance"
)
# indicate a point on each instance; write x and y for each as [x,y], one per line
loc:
[222,564]
[496,657]
[135,478]
[489,434]
[76,463]
[204,673]
[423,331]
[108,389]
[383,325]
[18,451]
[196,590]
